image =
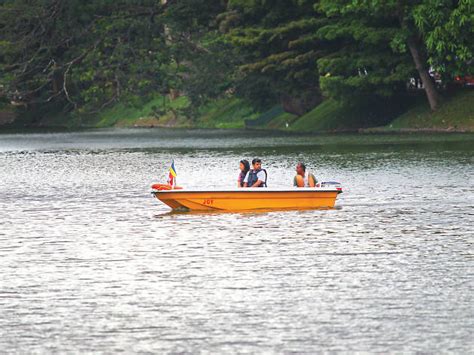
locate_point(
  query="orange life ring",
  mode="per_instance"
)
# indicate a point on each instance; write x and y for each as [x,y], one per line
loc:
[161,187]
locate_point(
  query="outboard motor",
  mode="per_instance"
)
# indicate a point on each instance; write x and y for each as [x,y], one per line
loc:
[335,184]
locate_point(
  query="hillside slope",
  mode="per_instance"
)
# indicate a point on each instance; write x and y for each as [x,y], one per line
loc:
[456,114]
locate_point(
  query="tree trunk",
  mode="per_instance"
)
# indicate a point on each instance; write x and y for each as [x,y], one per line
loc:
[432,94]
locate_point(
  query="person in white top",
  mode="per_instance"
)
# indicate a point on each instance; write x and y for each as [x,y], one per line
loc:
[256,177]
[303,178]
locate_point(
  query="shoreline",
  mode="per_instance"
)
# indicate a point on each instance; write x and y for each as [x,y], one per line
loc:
[360,131]
[330,117]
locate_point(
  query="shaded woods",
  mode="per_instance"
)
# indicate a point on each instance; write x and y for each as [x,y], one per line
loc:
[85,56]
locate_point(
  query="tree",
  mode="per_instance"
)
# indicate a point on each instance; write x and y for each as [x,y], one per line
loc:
[204,60]
[81,54]
[391,26]
[448,30]
[276,44]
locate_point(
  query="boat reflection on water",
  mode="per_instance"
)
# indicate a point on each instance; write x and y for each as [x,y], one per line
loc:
[187,212]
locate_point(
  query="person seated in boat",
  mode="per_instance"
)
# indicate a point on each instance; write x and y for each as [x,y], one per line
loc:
[303,178]
[244,169]
[256,177]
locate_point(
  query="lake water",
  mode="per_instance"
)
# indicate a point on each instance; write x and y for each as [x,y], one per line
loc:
[91,262]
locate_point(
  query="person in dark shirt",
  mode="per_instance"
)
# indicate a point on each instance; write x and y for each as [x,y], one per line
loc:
[244,167]
[256,177]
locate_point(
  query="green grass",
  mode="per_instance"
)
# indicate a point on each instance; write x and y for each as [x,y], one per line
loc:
[60,120]
[225,113]
[456,113]
[160,111]
[154,112]
[282,120]
[409,112]
[122,115]
[274,118]
[331,115]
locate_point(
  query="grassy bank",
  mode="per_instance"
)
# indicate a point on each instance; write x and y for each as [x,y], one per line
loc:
[334,116]
[160,112]
[455,114]
[225,113]
[405,114]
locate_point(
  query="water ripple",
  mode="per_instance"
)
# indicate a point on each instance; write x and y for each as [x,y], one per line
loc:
[90,262]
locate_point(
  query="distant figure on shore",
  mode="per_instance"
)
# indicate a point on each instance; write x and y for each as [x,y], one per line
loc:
[256,177]
[303,178]
[244,167]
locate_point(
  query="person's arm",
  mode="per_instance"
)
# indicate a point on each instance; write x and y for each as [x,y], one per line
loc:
[257,183]
[246,179]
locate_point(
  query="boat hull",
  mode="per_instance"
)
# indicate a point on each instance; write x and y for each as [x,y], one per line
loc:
[249,199]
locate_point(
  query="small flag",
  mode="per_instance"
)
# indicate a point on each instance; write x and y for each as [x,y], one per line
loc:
[173,170]
[172,175]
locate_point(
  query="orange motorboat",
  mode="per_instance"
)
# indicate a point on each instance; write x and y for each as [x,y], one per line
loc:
[245,199]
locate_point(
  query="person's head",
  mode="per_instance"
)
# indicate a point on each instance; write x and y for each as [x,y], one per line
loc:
[300,168]
[244,165]
[256,163]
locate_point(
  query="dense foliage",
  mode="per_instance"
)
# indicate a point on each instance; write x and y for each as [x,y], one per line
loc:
[83,56]
[80,54]
[278,46]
